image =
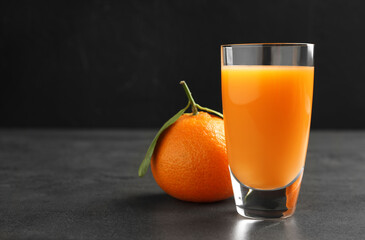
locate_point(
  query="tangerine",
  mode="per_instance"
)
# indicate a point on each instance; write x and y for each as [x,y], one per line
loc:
[190,160]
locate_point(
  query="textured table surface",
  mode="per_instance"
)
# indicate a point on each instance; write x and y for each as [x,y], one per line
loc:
[84,185]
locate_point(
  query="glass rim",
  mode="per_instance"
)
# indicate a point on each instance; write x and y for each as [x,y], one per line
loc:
[288,44]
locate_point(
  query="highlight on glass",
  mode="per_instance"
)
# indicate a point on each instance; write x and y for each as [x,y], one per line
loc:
[267,92]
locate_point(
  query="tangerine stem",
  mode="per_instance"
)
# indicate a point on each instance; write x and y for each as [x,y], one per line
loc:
[194,107]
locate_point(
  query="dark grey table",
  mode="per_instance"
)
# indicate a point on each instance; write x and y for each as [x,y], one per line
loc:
[84,185]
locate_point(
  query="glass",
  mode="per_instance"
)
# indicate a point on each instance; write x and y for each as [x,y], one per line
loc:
[267,92]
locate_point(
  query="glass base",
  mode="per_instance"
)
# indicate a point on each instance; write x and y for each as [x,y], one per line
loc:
[266,204]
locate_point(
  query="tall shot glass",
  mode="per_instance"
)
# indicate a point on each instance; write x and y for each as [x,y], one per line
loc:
[267,92]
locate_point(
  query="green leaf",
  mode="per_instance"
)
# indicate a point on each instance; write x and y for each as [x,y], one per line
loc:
[209,110]
[147,159]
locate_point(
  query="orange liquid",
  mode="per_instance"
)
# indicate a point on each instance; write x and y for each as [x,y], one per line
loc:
[267,112]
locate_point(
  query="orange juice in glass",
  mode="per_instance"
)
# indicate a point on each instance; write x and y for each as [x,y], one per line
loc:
[267,92]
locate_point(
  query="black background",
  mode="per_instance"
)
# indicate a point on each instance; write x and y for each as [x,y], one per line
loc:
[103,64]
